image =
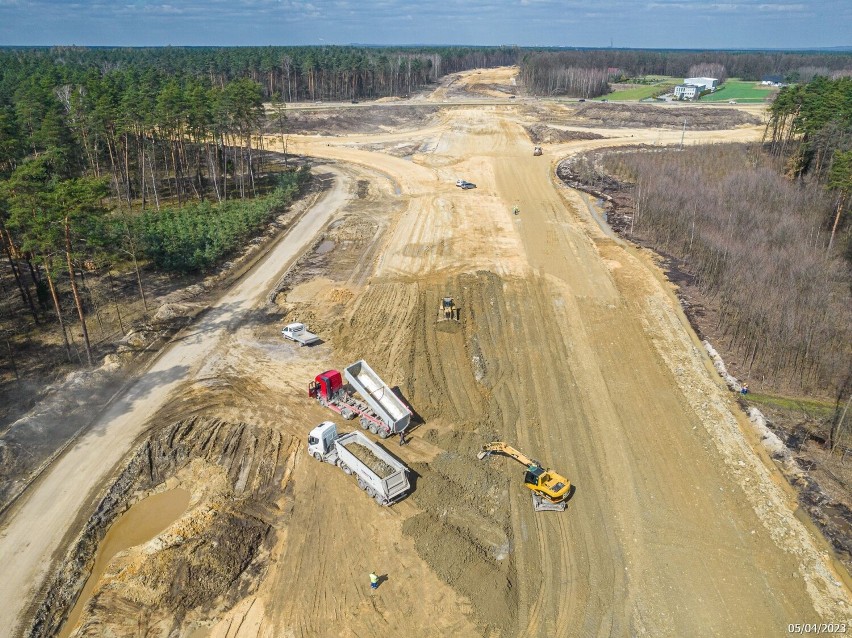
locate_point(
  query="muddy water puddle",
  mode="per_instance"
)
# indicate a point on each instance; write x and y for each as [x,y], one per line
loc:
[142,522]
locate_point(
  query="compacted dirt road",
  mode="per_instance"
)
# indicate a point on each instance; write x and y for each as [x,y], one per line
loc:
[570,346]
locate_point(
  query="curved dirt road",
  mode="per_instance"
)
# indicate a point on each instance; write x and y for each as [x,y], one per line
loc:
[33,532]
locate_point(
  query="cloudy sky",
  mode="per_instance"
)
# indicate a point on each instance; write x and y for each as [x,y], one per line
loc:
[590,23]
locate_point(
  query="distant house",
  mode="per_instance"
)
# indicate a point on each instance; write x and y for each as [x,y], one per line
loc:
[692,88]
[709,84]
[772,80]
[687,91]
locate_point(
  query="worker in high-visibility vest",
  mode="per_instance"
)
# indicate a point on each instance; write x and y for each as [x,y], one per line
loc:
[374,580]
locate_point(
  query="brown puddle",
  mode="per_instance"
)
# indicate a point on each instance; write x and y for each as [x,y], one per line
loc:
[142,522]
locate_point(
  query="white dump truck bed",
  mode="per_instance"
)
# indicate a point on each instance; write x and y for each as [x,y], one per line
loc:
[379,470]
[378,396]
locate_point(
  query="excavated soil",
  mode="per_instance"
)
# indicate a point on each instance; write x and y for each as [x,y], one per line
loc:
[366,456]
[543,134]
[212,554]
[367,118]
[644,115]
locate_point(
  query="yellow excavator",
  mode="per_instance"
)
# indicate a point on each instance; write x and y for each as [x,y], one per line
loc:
[550,490]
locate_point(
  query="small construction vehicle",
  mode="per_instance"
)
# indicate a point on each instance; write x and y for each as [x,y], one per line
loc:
[299,333]
[537,151]
[516,210]
[447,310]
[550,490]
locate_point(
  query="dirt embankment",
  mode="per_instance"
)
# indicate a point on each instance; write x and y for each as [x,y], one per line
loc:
[655,115]
[209,558]
[367,118]
[543,134]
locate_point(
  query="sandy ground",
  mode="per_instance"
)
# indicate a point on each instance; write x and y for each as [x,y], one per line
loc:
[33,531]
[570,346]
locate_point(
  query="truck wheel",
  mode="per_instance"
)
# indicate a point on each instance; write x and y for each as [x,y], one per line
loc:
[361,483]
[345,468]
[371,492]
[381,501]
[318,456]
[383,434]
[364,423]
[373,428]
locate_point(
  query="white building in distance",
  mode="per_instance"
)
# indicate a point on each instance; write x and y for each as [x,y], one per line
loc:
[709,84]
[692,88]
[687,91]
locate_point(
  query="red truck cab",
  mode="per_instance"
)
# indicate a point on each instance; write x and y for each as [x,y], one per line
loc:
[326,385]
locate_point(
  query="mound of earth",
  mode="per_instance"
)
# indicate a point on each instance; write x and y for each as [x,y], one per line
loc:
[361,119]
[464,533]
[543,134]
[659,116]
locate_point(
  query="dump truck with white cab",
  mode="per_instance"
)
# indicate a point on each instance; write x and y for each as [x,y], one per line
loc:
[378,473]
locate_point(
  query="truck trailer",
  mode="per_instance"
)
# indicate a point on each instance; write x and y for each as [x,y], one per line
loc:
[379,410]
[382,476]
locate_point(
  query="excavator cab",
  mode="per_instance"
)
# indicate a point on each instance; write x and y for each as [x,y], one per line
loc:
[533,475]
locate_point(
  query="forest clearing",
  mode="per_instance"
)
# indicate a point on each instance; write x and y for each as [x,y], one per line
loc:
[570,343]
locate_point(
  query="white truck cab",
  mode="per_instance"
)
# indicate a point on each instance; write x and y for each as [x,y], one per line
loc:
[321,439]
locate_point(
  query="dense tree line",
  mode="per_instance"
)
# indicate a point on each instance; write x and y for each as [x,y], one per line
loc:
[810,128]
[91,157]
[293,73]
[758,246]
[549,77]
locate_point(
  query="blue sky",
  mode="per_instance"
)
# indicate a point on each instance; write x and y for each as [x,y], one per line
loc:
[590,23]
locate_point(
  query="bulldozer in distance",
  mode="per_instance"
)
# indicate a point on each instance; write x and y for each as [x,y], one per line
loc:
[550,490]
[447,310]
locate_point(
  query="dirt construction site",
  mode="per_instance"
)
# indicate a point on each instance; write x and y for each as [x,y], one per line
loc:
[569,345]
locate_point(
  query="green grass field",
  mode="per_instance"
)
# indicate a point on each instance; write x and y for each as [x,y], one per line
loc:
[639,92]
[740,91]
[659,84]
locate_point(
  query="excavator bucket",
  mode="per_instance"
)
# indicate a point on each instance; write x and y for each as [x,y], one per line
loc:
[483,454]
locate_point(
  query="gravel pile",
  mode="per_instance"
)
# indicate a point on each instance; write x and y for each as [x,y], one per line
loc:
[366,456]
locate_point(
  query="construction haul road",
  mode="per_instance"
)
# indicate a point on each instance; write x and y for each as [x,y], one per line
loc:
[571,347]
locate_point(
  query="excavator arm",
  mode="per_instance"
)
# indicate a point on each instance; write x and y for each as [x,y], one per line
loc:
[550,490]
[498,447]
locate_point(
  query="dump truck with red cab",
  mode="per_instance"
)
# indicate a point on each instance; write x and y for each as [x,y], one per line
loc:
[377,407]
